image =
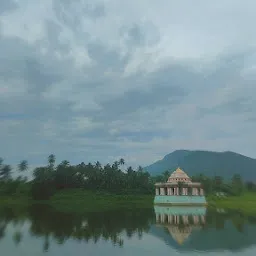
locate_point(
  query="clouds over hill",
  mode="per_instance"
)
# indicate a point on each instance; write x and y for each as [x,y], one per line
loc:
[105,79]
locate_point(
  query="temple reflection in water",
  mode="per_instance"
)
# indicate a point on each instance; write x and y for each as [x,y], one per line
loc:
[180,221]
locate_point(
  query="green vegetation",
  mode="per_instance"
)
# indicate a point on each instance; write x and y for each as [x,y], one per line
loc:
[86,201]
[83,187]
[245,203]
[90,187]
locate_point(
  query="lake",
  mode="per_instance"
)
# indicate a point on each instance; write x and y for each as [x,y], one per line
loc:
[41,230]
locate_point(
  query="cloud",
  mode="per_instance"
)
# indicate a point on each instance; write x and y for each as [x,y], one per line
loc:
[102,80]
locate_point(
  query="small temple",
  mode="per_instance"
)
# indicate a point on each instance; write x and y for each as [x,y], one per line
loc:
[179,190]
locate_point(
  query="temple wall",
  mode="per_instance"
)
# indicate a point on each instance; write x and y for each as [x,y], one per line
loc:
[177,210]
[180,200]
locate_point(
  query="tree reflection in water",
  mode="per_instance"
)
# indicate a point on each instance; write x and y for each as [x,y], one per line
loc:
[57,226]
[115,226]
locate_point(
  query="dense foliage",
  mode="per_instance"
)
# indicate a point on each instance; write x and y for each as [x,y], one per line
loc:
[109,178]
[48,179]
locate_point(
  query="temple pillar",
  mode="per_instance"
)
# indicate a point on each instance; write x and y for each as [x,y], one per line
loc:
[196,219]
[162,218]
[201,192]
[203,219]
[185,219]
[194,191]
[157,191]
[162,192]
[169,218]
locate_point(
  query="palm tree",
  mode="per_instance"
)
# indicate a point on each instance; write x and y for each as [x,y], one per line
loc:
[121,161]
[51,161]
[5,172]
[65,163]
[115,165]
[98,165]
[129,170]
[140,169]
[23,166]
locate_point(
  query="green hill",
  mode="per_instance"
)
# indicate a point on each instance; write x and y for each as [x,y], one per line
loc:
[225,164]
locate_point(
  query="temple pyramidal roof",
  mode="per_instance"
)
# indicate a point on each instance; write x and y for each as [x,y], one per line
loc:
[179,174]
[180,236]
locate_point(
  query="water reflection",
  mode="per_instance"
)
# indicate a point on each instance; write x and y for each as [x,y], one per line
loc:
[180,221]
[206,230]
[183,229]
[54,226]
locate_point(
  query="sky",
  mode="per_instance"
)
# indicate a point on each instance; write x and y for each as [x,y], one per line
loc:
[104,79]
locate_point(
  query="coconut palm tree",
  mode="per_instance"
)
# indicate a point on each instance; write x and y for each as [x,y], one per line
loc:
[121,161]
[51,161]
[5,172]
[23,165]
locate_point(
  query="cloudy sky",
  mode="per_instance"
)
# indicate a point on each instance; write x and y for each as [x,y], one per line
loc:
[104,79]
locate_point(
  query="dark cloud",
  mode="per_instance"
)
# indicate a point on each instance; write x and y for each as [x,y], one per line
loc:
[7,5]
[90,82]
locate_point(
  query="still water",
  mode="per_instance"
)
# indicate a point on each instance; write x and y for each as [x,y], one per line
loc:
[40,230]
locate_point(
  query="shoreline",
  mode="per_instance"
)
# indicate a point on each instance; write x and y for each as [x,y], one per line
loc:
[79,201]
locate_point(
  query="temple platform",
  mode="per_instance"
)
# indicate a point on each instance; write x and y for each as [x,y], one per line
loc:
[180,200]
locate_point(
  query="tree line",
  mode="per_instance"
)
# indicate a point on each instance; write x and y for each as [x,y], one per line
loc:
[51,178]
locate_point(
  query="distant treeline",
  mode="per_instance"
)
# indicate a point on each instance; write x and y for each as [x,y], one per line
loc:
[51,178]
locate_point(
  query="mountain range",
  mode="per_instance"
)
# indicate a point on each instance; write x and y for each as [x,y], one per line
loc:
[209,163]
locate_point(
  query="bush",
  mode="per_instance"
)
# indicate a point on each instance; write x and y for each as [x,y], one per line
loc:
[42,190]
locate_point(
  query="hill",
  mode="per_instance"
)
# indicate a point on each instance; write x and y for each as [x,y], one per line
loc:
[209,163]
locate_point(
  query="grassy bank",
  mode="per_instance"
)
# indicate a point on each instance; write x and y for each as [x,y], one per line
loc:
[81,201]
[76,200]
[245,203]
